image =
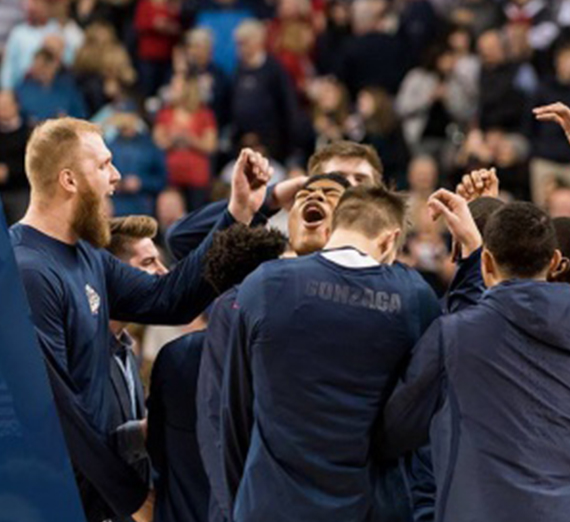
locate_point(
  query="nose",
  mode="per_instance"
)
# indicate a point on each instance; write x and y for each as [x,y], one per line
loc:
[115,175]
[161,269]
[318,195]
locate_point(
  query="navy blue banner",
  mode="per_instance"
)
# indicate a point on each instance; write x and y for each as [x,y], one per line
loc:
[36,478]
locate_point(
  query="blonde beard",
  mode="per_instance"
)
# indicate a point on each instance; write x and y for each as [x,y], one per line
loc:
[90,222]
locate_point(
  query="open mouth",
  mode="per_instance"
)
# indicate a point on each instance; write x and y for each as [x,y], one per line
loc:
[313,215]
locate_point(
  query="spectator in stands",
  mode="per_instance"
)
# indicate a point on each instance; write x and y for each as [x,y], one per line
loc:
[118,88]
[330,42]
[291,39]
[507,151]
[423,179]
[214,84]
[550,146]
[11,14]
[263,96]
[331,108]
[48,92]
[142,165]
[187,131]
[69,30]
[558,202]
[89,66]
[375,123]
[24,41]
[375,56]
[157,23]
[14,133]
[431,99]
[504,85]
[222,18]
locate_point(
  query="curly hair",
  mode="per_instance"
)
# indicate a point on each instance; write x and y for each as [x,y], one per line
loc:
[238,251]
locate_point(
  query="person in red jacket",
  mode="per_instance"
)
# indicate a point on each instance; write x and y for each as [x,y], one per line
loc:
[157,23]
[187,131]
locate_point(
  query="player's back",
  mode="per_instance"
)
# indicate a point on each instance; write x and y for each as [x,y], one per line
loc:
[327,340]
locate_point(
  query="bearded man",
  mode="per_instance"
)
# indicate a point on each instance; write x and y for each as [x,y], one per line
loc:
[75,287]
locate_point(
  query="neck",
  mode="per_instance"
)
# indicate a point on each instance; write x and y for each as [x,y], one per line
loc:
[117,327]
[52,219]
[348,238]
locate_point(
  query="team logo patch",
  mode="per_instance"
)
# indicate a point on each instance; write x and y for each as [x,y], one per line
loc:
[93,298]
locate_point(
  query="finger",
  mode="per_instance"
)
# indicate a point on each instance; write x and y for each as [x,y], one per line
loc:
[553,107]
[438,208]
[477,180]
[468,184]
[460,190]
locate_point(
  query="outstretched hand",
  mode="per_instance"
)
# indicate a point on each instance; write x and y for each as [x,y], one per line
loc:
[458,219]
[479,183]
[250,177]
[556,113]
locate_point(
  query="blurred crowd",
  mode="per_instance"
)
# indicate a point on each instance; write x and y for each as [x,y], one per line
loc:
[437,87]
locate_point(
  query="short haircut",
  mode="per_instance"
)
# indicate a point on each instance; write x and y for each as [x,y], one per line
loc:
[125,231]
[46,55]
[52,147]
[369,210]
[521,238]
[346,150]
[333,176]
[562,228]
[482,208]
[238,251]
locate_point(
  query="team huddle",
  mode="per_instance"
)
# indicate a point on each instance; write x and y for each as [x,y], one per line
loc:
[331,384]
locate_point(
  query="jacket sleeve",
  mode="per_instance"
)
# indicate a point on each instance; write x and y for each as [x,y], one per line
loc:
[467,286]
[175,298]
[237,405]
[208,397]
[416,398]
[156,439]
[187,233]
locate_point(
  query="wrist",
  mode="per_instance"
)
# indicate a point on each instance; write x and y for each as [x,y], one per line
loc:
[471,244]
[239,213]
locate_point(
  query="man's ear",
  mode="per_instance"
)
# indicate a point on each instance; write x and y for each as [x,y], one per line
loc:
[559,268]
[388,245]
[68,181]
[488,268]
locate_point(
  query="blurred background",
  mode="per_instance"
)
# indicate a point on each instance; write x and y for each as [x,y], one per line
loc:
[438,87]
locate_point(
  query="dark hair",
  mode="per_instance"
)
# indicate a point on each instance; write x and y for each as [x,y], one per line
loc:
[521,238]
[46,55]
[482,208]
[333,176]
[347,150]
[370,209]
[238,251]
[127,230]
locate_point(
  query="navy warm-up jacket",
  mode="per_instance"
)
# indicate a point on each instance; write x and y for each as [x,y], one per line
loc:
[495,378]
[314,352]
[182,489]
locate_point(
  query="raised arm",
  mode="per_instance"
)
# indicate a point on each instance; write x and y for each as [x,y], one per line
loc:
[181,295]
[186,234]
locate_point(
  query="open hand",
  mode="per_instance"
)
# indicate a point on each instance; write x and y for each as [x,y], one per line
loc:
[458,219]
[556,113]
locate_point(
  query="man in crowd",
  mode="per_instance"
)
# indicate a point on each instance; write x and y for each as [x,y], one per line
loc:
[304,451]
[131,242]
[74,287]
[488,384]
[182,487]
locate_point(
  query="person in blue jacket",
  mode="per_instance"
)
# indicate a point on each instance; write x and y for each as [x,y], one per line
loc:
[143,166]
[314,350]
[74,286]
[182,487]
[489,384]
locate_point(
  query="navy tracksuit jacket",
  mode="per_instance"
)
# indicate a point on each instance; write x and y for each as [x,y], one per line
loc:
[495,378]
